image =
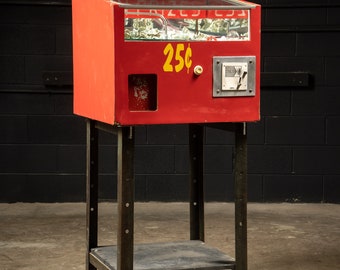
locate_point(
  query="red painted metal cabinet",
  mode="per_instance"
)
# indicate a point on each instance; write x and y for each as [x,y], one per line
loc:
[166,62]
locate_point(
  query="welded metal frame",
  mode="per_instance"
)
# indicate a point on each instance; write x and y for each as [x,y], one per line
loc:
[125,192]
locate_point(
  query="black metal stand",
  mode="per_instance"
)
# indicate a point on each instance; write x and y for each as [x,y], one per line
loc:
[126,256]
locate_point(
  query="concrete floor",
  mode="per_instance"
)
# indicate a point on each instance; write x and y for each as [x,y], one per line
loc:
[280,236]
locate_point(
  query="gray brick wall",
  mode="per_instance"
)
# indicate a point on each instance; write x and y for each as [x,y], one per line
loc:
[294,150]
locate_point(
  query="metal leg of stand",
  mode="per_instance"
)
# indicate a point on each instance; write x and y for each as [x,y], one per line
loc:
[91,189]
[241,196]
[196,182]
[125,198]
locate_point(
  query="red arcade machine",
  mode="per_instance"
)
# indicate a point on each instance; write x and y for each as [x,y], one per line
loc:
[143,62]
[160,62]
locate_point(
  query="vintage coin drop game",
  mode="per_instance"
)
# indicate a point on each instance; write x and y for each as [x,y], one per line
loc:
[166,61]
[145,62]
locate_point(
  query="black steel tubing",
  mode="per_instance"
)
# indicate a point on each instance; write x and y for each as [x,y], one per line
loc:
[91,189]
[125,198]
[240,177]
[196,182]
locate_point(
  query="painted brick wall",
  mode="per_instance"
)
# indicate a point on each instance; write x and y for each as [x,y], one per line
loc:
[41,142]
[300,138]
[294,150]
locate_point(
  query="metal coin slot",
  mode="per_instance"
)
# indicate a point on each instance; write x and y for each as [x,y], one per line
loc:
[233,76]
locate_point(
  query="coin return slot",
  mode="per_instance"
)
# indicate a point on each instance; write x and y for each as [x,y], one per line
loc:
[142,92]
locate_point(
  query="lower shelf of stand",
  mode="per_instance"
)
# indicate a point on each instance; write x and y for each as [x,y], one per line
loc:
[186,255]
